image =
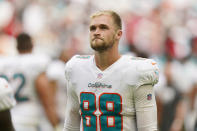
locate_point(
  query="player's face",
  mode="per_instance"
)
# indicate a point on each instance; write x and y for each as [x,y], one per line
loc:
[102,33]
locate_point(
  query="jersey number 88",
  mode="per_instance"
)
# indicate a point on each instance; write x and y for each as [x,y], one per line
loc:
[110,107]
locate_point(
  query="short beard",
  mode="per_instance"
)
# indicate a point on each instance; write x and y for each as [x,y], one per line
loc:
[102,48]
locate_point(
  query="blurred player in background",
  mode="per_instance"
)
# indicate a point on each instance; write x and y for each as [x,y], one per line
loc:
[107,90]
[171,104]
[7,101]
[58,83]
[26,73]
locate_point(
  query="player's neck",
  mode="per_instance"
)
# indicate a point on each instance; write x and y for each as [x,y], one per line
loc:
[105,59]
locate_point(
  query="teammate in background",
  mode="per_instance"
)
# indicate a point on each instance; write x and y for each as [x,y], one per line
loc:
[108,91]
[57,82]
[26,73]
[7,101]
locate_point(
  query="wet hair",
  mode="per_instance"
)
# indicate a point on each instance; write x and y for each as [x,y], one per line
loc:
[114,15]
[24,42]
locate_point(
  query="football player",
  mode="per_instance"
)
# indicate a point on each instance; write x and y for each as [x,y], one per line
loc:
[26,74]
[108,91]
[58,84]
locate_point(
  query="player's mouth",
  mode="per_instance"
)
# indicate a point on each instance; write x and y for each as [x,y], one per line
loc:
[97,38]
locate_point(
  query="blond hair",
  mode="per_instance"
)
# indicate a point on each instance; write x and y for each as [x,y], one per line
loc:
[114,15]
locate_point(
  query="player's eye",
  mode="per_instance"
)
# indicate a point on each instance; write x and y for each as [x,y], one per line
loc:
[92,28]
[103,27]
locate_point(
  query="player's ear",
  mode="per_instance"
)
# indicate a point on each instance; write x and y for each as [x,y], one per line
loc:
[118,34]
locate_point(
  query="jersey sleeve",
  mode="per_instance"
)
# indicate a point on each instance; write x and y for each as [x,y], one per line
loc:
[72,117]
[7,100]
[68,68]
[54,71]
[37,63]
[148,73]
[70,65]
[42,61]
[144,96]
[146,110]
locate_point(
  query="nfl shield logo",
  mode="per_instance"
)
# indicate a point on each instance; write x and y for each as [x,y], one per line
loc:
[100,75]
[149,96]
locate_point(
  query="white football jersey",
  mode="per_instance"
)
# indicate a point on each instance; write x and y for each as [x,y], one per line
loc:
[7,100]
[120,98]
[21,72]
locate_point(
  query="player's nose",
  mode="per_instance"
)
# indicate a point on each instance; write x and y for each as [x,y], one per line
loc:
[97,31]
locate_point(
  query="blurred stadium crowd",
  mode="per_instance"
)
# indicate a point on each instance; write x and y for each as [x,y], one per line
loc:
[165,30]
